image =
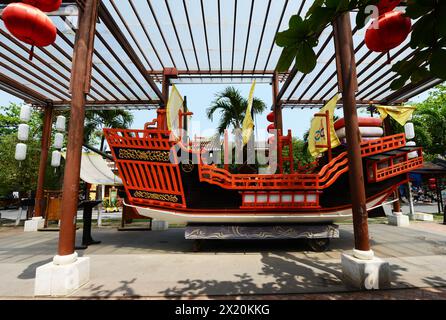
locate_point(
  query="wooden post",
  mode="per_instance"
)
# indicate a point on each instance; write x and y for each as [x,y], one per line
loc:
[388,132]
[45,144]
[328,128]
[80,75]
[276,104]
[347,74]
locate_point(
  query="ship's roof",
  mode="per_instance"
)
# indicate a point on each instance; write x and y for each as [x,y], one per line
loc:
[212,41]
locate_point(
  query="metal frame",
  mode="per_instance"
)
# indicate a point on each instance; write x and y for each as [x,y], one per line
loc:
[114,81]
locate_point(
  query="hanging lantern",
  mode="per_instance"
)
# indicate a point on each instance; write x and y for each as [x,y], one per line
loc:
[409,130]
[20,151]
[272,140]
[23,132]
[55,158]
[60,123]
[387,5]
[29,24]
[58,140]
[270,117]
[25,113]
[393,29]
[271,127]
[45,5]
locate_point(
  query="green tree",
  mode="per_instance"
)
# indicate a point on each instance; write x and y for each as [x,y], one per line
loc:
[95,121]
[301,155]
[22,176]
[430,122]
[428,37]
[232,106]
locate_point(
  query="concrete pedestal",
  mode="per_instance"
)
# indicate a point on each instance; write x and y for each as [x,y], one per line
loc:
[423,216]
[398,219]
[62,276]
[159,225]
[34,224]
[365,274]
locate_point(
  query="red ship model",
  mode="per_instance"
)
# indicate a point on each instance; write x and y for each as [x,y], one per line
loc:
[161,187]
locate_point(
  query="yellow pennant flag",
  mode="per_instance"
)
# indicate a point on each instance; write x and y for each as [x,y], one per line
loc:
[318,131]
[174,105]
[248,122]
[400,113]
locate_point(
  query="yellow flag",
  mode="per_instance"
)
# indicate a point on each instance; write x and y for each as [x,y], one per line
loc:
[400,113]
[318,130]
[174,105]
[248,123]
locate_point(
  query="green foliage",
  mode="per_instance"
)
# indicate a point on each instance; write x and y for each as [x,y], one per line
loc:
[301,155]
[430,122]
[232,106]
[22,176]
[95,121]
[428,37]
[15,175]
[302,36]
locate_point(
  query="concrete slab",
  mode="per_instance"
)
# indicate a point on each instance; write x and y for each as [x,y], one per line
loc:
[163,264]
[398,219]
[423,216]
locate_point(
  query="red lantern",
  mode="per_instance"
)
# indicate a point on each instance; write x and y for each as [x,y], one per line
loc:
[393,29]
[270,117]
[29,24]
[271,127]
[387,5]
[45,5]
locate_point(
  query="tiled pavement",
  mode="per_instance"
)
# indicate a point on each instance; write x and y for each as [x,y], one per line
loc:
[162,265]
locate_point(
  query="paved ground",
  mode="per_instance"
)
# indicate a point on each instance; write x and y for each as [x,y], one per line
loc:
[161,264]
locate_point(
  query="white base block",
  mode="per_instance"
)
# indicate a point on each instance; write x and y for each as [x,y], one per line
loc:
[34,224]
[423,216]
[365,274]
[159,225]
[61,280]
[398,219]
[387,209]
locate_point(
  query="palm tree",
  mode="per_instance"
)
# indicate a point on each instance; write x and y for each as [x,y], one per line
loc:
[232,106]
[96,120]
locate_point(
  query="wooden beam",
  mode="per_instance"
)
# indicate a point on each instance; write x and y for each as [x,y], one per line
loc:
[16,86]
[81,71]
[45,145]
[111,25]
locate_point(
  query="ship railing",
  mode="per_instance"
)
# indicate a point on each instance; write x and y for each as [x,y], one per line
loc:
[297,181]
[383,144]
[294,181]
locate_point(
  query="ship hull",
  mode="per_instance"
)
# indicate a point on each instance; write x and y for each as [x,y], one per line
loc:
[213,216]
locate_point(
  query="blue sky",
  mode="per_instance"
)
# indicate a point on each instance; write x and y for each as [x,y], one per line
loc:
[200,96]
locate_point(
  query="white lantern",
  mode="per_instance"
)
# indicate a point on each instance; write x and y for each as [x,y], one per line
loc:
[20,151]
[60,123]
[58,140]
[23,132]
[409,130]
[411,144]
[55,158]
[25,113]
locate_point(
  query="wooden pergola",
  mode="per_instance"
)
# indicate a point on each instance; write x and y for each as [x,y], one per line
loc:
[120,54]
